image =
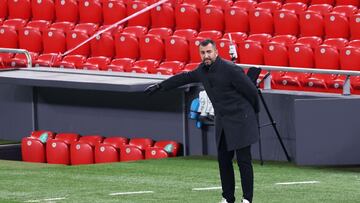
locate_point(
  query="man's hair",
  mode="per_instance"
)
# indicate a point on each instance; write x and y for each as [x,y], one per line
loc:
[207,42]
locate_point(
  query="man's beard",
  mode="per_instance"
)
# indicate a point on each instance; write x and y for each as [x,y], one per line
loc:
[208,62]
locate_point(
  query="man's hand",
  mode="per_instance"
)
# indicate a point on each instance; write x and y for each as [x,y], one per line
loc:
[152,89]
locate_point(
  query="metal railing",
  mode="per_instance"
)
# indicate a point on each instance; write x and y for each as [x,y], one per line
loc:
[19,51]
[267,82]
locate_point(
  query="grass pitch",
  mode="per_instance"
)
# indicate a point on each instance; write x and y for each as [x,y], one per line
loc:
[171,180]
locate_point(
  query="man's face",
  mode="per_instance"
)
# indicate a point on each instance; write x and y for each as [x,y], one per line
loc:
[208,54]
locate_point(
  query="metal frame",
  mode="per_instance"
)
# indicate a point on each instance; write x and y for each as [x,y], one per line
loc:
[19,51]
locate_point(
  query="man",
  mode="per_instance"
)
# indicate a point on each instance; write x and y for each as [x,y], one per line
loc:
[235,101]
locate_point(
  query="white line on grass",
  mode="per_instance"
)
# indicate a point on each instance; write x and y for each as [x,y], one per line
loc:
[207,188]
[46,200]
[295,183]
[131,193]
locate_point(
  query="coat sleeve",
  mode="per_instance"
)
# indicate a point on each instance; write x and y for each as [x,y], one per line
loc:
[179,80]
[245,86]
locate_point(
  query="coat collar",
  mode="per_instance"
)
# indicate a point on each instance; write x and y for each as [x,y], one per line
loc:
[213,66]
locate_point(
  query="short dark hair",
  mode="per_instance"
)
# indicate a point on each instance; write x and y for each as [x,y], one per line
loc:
[206,42]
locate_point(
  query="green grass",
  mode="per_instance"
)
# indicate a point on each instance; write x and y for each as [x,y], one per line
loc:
[172,180]
[3,142]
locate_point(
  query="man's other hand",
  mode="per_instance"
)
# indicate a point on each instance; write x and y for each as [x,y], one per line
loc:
[152,89]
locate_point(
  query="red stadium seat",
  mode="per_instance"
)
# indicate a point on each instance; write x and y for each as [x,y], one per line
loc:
[355,26]
[33,149]
[347,10]
[90,11]
[335,83]
[330,2]
[67,11]
[145,66]
[141,20]
[155,153]
[43,10]
[151,47]
[348,2]
[302,1]
[170,68]
[121,65]
[224,4]
[301,55]
[216,15]
[236,20]
[74,38]
[321,8]
[276,54]
[54,41]
[39,24]
[16,23]
[20,60]
[30,39]
[5,59]
[8,37]
[354,43]
[163,16]
[131,153]
[72,61]
[246,5]
[261,21]
[162,32]
[270,5]
[141,143]
[126,46]
[355,84]
[297,7]
[109,150]
[88,28]
[286,22]
[58,149]
[97,63]
[19,9]
[190,66]
[47,60]
[81,152]
[187,17]
[262,38]
[327,57]
[103,45]
[186,33]
[284,39]
[312,41]
[116,141]
[194,49]
[349,58]
[287,80]
[165,143]
[311,24]
[176,49]
[138,31]
[251,52]
[113,11]
[210,34]
[223,48]
[338,43]
[237,37]
[315,82]
[3,9]
[336,25]
[64,26]
[196,3]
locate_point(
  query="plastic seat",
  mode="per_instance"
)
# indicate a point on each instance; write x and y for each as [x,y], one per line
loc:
[141,143]
[270,5]
[82,151]
[41,25]
[8,37]
[187,17]
[54,41]
[223,4]
[196,3]
[20,60]
[74,38]
[223,48]
[141,20]
[251,52]
[327,57]
[261,21]
[97,63]
[131,153]
[121,64]
[194,49]
[297,7]
[67,11]
[355,84]
[33,149]
[72,61]
[109,150]
[284,39]
[190,66]
[349,58]
[276,54]
[163,16]
[58,149]
[47,60]
[336,25]
[176,49]
[113,11]
[237,37]
[88,28]
[16,23]
[315,83]
[19,9]
[321,8]
[90,11]
[236,20]
[311,24]
[301,55]
[138,31]
[145,66]
[3,9]
[126,46]
[64,26]
[355,26]
[30,39]
[155,153]
[354,43]
[262,38]
[210,34]
[330,2]
[43,10]
[312,41]
[338,43]
[286,22]
[151,47]
[103,45]
[347,10]
[302,1]
[348,2]
[186,33]
[246,5]
[162,32]
[170,67]
[216,15]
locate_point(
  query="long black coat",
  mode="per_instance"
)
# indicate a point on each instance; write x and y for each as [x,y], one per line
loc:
[234,98]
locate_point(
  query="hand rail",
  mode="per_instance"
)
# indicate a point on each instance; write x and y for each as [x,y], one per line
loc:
[19,51]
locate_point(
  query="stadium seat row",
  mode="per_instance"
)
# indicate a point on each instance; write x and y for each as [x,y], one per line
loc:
[73,149]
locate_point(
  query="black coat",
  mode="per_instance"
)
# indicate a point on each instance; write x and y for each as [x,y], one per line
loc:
[234,98]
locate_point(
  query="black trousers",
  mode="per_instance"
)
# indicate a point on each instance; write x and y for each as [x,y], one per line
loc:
[227,176]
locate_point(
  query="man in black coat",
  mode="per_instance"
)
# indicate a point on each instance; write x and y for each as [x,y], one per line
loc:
[236,103]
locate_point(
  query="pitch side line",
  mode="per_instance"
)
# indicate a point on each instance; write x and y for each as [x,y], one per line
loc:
[47,200]
[296,183]
[130,193]
[207,188]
